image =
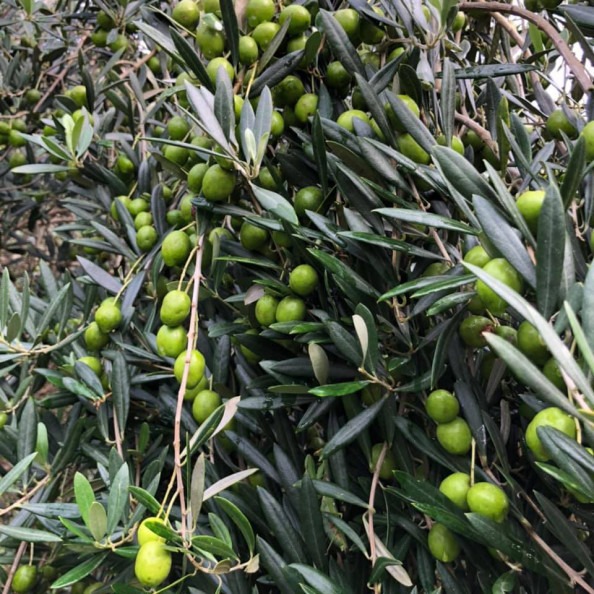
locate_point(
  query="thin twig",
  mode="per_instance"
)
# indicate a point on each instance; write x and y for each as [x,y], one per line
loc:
[14,566]
[574,576]
[577,68]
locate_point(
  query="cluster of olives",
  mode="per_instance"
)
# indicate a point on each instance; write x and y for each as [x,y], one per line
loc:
[482,498]
[453,432]
[108,34]
[11,134]
[153,561]
[303,281]
[108,317]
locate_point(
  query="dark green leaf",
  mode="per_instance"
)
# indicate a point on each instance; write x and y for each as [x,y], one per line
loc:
[421,217]
[79,572]
[285,534]
[352,429]
[339,43]
[239,519]
[28,534]
[550,252]
[231,28]
[117,501]
[501,234]
[190,57]
[312,523]
[120,385]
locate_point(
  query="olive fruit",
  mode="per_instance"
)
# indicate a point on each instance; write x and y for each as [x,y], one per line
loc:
[24,578]
[472,328]
[108,317]
[145,534]
[529,204]
[176,248]
[290,309]
[443,544]
[303,280]
[204,404]
[531,343]
[455,487]
[175,308]
[488,500]
[477,256]
[386,471]
[171,341]
[504,272]
[455,437]
[153,564]
[266,310]
[442,406]
[195,368]
[548,417]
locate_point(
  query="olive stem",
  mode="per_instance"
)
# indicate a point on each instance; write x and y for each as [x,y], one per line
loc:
[472,461]
[192,334]
[370,530]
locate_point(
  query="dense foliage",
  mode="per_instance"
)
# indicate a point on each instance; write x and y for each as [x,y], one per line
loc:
[296,298]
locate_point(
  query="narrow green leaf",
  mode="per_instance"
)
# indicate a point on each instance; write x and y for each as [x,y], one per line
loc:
[190,57]
[319,149]
[79,572]
[411,123]
[231,26]
[579,335]
[223,103]
[588,307]
[120,385]
[461,174]
[281,527]
[317,580]
[339,43]
[239,519]
[550,252]
[84,495]
[28,534]
[117,500]
[574,172]
[275,204]
[197,488]
[312,523]
[448,100]
[420,217]
[97,521]
[27,435]
[214,546]
[37,168]
[502,235]
[13,475]
[145,498]
[341,389]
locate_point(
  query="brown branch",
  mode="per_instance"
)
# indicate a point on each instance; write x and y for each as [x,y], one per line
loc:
[14,567]
[192,334]
[25,497]
[574,576]
[480,131]
[578,69]
[370,531]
